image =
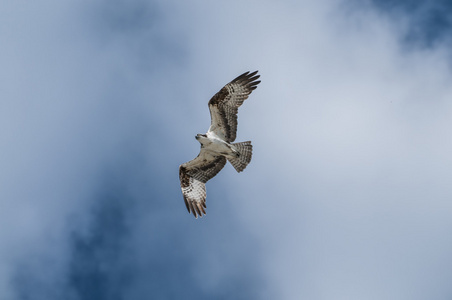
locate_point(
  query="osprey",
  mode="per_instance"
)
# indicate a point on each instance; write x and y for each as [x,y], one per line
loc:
[217,144]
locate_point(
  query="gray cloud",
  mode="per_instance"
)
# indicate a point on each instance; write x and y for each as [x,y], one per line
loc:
[428,23]
[347,196]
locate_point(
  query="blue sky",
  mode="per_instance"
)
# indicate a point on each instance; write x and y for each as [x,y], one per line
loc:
[348,195]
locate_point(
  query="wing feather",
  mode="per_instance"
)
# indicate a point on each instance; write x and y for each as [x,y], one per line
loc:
[193,175]
[224,105]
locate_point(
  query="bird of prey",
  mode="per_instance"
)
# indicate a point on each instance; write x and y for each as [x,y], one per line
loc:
[217,144]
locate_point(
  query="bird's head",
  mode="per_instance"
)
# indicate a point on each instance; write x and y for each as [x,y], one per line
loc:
[200,136]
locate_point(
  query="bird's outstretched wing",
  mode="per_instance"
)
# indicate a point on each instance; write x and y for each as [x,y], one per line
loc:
[193,175]
[224,105]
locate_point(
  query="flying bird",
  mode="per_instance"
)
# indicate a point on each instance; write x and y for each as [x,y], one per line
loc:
[217,144]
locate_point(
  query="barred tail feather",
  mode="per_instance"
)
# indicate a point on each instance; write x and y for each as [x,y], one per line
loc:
[245,150]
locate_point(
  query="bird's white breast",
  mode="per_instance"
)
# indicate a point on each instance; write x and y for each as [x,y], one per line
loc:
[217,145]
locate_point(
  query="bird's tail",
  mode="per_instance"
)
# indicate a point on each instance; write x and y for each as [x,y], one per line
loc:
[245,151]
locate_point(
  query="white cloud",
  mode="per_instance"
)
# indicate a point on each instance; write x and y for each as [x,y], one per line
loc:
[349,189]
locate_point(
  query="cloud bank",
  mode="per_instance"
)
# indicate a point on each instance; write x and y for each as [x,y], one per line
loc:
[348,194]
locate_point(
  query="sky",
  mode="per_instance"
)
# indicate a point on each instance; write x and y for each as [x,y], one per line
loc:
[348,195]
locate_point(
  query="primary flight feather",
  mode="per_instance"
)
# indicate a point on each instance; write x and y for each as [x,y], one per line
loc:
[217,144]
